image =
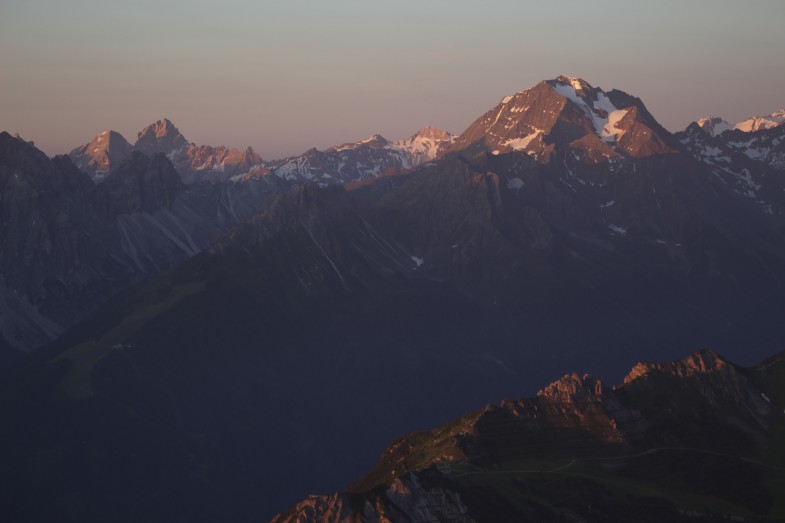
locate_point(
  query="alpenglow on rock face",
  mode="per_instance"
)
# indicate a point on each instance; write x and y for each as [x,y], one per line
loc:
[567,114]
[758,123]
[596,453]
[715,125]
[160,137]
[194,163]
[104,152]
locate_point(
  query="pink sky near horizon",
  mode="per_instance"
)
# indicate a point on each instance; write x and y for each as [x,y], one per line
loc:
[286,77]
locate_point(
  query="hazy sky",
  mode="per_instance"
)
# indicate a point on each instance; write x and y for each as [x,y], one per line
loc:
[286,76]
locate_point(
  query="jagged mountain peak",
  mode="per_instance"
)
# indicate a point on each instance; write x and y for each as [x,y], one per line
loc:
[432,133]
[160,137]
[706,411]
[107,138]
[101,154]
[160,128]
[197,163]
[714,125]
[109,135]
[366,159]
[758,123]
[376,139]
[579,84]
[701,362]
[572,386]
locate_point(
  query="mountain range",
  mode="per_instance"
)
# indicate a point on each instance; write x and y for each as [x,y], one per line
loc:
[69,244]
[341,164]
[692,440]
[109,149]
[235,338]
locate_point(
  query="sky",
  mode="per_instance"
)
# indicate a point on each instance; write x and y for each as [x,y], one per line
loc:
[286,76]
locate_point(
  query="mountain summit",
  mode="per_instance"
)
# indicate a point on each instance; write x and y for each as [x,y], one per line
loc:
[567,114]
[714,125]
[103,152]
[160,137]
[193,163]
[757,123]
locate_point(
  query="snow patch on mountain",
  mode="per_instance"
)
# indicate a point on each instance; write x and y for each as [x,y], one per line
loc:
[520,144]
[609,131]
[757,123]
[601,112]
[713,125]
[515,183]
[369,158]
[423,147]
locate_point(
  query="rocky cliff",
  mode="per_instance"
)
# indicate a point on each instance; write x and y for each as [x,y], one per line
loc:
[544,458]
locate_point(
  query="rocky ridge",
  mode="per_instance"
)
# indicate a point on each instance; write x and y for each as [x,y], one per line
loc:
[194,163]
[576,419]
[367,159]
[750,161]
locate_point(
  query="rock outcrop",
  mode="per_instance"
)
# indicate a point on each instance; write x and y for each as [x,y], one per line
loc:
[660,408]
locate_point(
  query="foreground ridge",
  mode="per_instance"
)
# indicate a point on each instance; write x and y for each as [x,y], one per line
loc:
[673,441]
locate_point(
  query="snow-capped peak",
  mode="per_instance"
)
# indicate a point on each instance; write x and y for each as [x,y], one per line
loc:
[425,145]
[432,133]
[160,129]
[757,123]
[714,125]
[579,84]
[594,103]
[375,138]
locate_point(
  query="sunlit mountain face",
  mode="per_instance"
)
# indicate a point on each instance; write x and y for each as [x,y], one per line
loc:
[683,441]
[212,336]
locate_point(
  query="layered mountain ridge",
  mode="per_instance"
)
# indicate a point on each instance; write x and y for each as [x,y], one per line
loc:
[544,457]
[364,160]
[715,125]
[346,163]
[750,161]
[68,244]
[462,270]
